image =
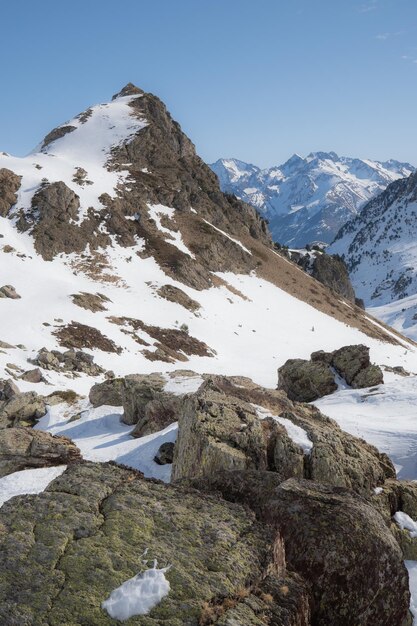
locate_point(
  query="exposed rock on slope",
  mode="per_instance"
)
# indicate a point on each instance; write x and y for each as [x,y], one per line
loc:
[328,269]
[9,186]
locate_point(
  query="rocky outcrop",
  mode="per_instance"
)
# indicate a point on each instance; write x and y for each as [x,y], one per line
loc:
[328,269]
[146,405]
[333,539]
[84,536]
[220,429]
[174,294]
[54,209]
[353,363]
[75,361]
[8,389]
[9,186]
[22,448]
[109,392]
[90,301]
[8,291]
[22,409]
[306,381]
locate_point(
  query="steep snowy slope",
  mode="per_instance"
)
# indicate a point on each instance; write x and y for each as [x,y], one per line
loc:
[308,199]
[119,242]
[380,249]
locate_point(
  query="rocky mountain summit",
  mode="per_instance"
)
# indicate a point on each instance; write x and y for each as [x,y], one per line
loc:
[309,199]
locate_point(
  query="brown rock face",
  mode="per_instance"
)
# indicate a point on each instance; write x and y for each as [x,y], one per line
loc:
[333,539]
[22,448]
[9,186]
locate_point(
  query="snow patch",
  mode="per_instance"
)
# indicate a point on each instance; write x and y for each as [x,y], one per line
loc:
[138,595]
[294,432]
[29,481]
[405,522]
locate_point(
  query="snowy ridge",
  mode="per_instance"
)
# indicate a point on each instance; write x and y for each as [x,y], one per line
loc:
[88,146]
[380,249]
[308,199]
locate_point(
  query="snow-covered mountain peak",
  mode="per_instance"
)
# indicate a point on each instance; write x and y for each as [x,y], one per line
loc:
[309,199]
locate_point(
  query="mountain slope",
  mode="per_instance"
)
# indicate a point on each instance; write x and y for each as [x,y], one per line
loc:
[119,241]
[308,199]
[380,249]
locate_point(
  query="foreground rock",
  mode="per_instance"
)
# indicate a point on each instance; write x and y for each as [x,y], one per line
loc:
[306,381]
[220,429]
[84,536]
[22,448]
[333,539]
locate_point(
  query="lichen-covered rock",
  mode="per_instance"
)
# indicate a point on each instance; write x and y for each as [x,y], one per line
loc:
[219,429]
[22,448]
[9,186]
[306,381]
[334,539]
[62,552]
[353,363]
[22,409]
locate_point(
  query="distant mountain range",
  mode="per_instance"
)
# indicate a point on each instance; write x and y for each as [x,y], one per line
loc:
[309,199]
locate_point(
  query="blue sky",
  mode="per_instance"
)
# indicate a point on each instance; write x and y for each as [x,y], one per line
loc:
[257,80]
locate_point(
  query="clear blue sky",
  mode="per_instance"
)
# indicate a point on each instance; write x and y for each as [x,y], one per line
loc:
[257,80]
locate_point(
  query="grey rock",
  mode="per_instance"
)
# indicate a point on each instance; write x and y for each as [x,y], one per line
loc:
[306,381]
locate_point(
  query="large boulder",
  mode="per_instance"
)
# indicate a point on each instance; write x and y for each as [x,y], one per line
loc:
[64,551]
[9,186]
[146,405]
[354,365]
[219,431]
[22,448]
[220,428]
[306,381]
[109,392]
[333,539]
[22,409]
